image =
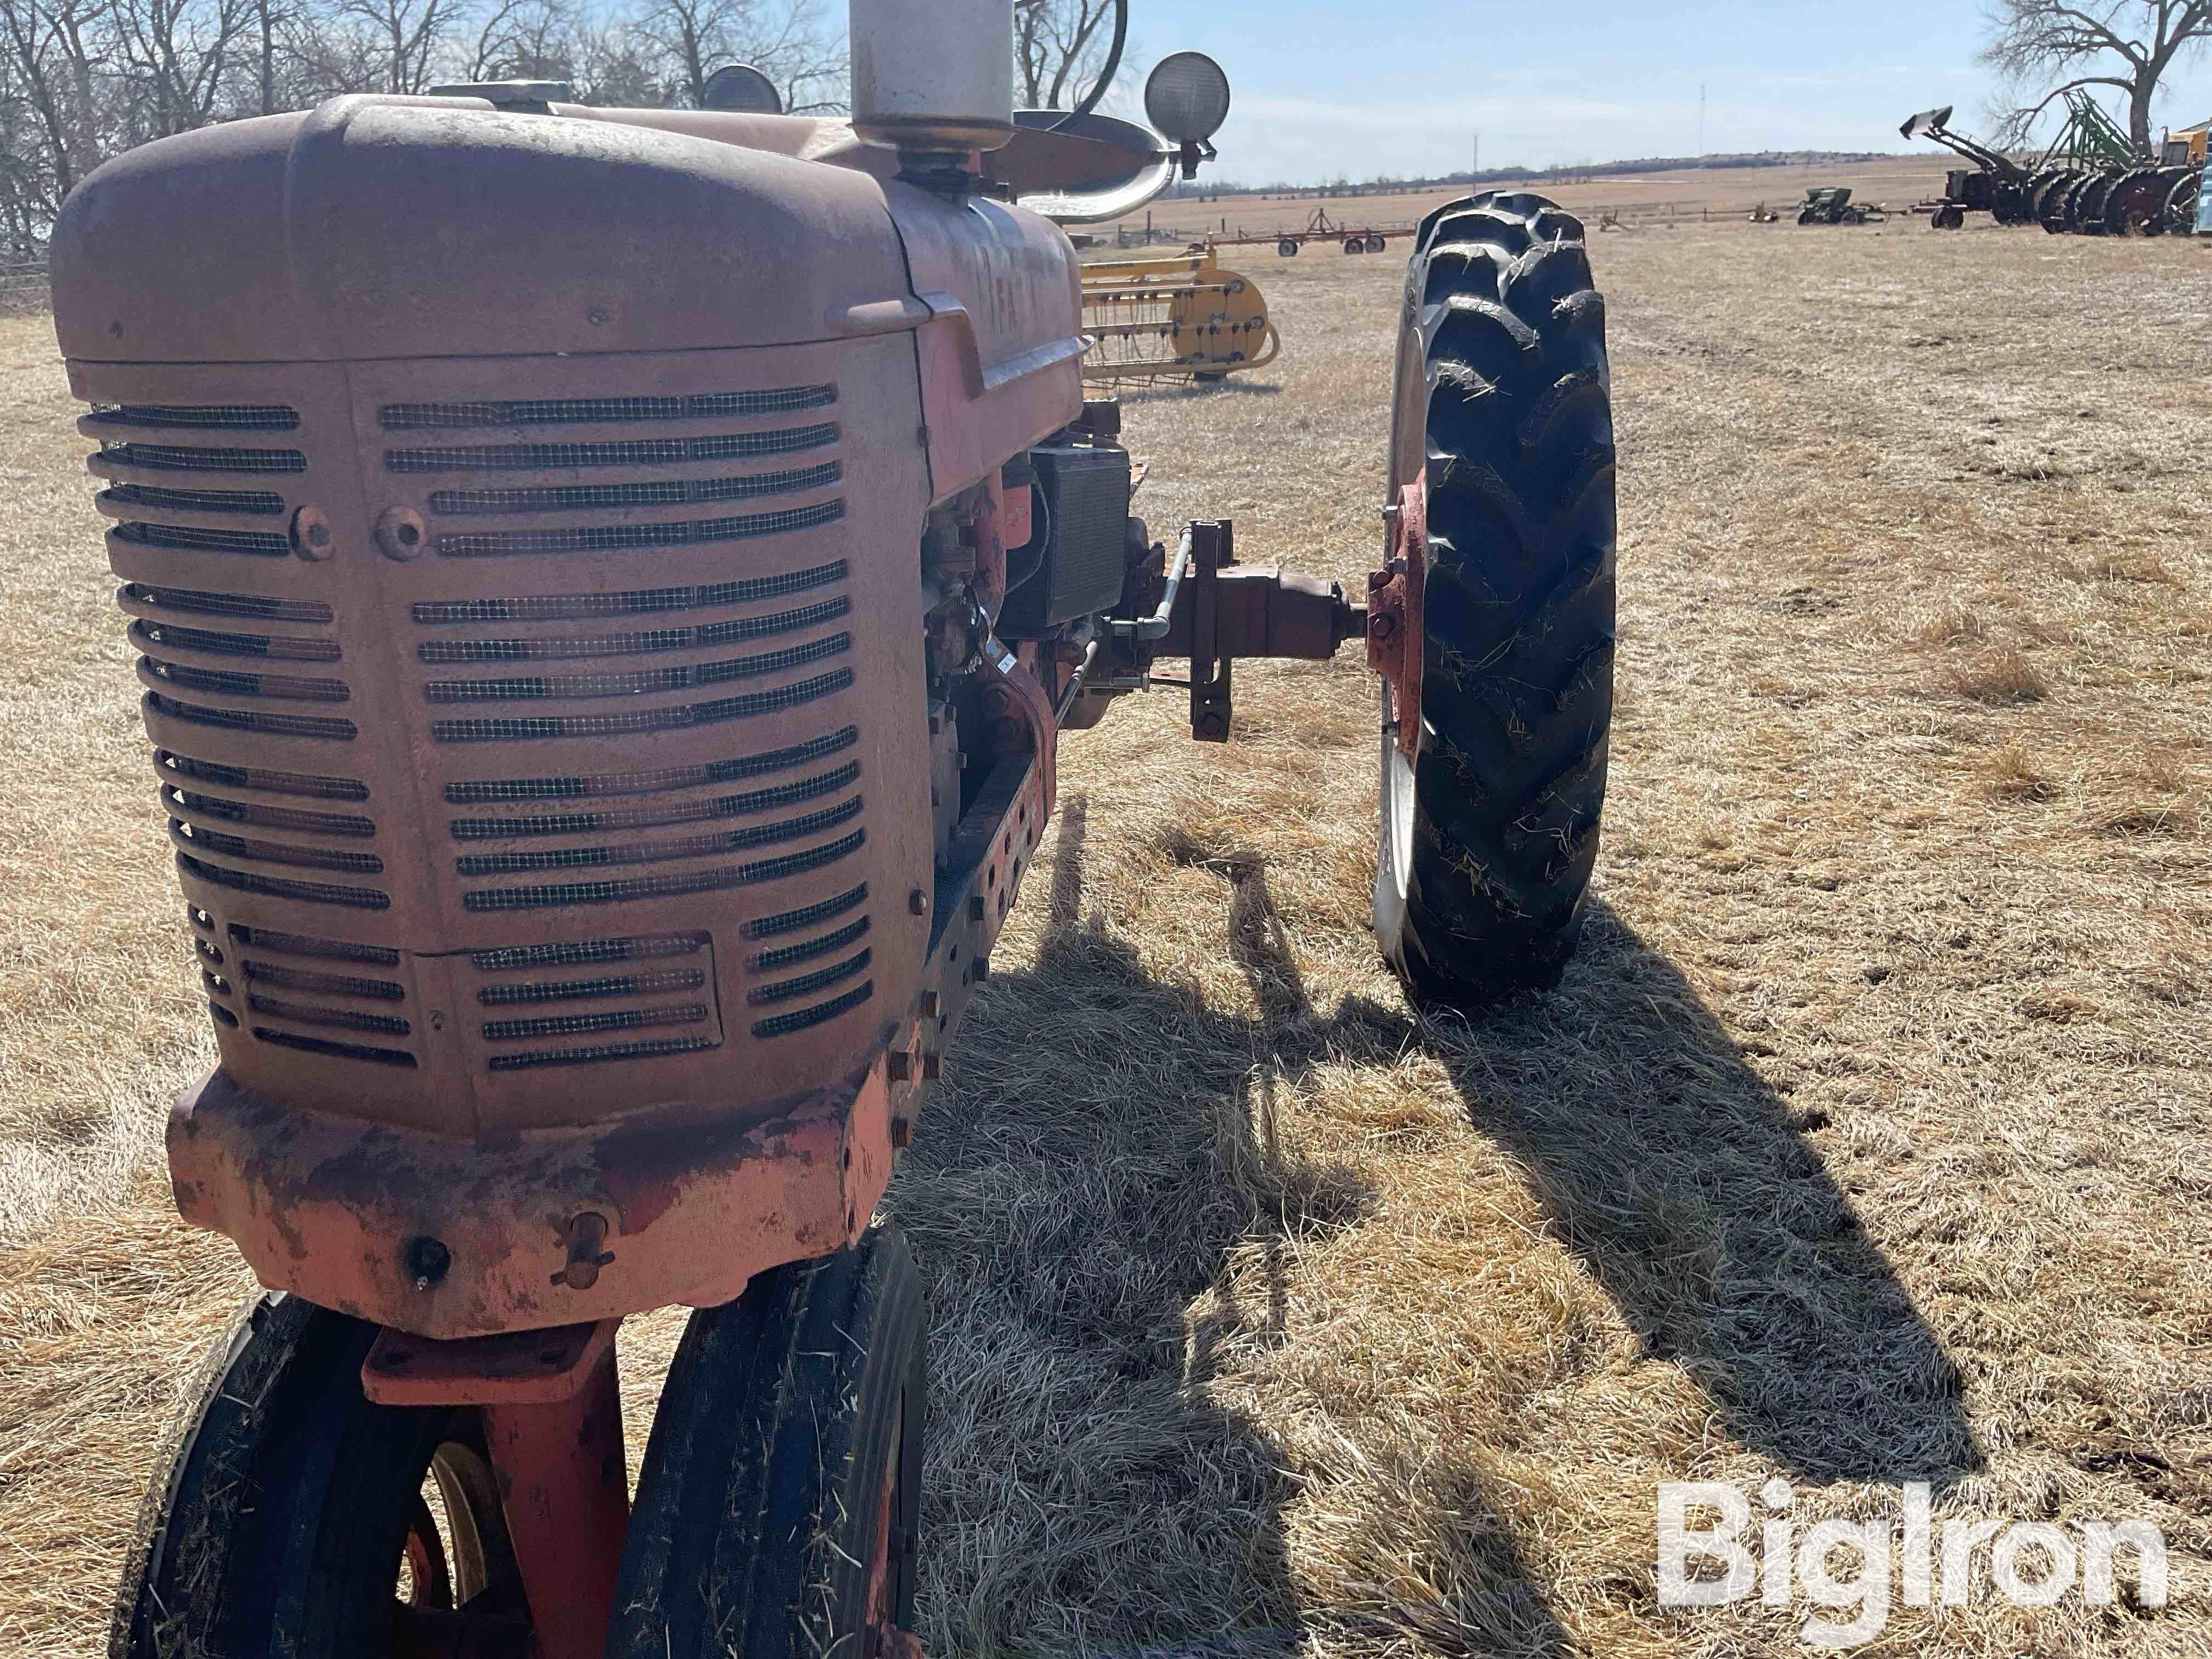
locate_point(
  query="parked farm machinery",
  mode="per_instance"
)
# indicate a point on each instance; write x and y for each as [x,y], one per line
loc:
[1319,228]
[2091,180]
[1831,205]
[1174,319]
[610,587]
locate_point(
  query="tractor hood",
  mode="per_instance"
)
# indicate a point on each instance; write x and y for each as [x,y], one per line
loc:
[377,226]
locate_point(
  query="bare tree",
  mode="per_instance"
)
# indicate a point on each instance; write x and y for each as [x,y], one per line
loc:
[413,37]
[177,58]
[525,40]
[55,50]
[2127,44]
[786,40]
[1059,46]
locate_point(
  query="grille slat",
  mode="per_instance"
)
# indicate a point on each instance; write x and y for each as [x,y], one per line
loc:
[193,539]
[807,984]
[302,945]
[308,892]
[334,1050]
[724,806]
[272,817]
[648,1051]
[437,652]
[276,852]
[344,1019]
[576,607]
[191,458]
[629,538]
[620,1019]
[210,642]
[582,990]
[230,417]
[255,777]
[791,921]
[225,683]
[799,1018]
[678,718]
[259,502]
[485,792]
[199,602]
[789,955]
[337,985]
[689,847]
[659,492]
[643,682]
[598,411]
[647,887]
[646,451]
[239,720]
[652,947]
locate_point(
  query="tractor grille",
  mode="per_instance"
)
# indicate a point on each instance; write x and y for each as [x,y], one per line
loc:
[621,678]
[711,660]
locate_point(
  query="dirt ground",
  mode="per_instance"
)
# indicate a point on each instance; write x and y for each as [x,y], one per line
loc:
[1868,1140]
[1688,193]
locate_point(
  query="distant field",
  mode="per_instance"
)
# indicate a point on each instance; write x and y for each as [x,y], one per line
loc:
[1722,192]
[1869,1139]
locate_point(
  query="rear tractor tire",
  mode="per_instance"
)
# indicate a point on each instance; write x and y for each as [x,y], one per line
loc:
[2051,205]
[1503,423]
[2086,213]
[777,1512]
[2181,203]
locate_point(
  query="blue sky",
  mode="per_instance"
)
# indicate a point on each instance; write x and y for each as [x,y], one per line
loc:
[1401,86]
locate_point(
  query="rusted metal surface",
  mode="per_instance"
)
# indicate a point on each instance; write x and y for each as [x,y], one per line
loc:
[515,1368]
[372,226]
[1395,638]
[339,1211]
[1224,610]
[566,1487]
[1264,610]
[1001,358]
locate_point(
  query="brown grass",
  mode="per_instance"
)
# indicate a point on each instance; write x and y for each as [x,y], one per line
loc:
[1866,1141]
[1999,676]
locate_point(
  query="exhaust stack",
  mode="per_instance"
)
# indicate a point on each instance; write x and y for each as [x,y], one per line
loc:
[933,81]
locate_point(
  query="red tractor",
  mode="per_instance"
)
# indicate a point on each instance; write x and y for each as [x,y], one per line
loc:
[611,585]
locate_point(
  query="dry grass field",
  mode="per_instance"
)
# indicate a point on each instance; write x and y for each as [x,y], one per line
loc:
[1868,1140]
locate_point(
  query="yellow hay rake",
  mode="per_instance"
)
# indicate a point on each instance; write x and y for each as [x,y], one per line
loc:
[1179,319]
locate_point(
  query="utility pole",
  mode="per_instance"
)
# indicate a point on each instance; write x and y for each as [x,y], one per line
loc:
[1701,121]
[1475,171]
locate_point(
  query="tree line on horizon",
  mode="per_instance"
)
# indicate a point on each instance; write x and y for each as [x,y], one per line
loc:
[82,80]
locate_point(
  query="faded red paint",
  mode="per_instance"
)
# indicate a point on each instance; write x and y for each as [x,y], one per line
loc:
[565,1488]
[1396,639]
[326,1207]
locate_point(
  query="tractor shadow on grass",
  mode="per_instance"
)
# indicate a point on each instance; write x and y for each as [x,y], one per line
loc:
[1685,1183]
[1103,1213]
